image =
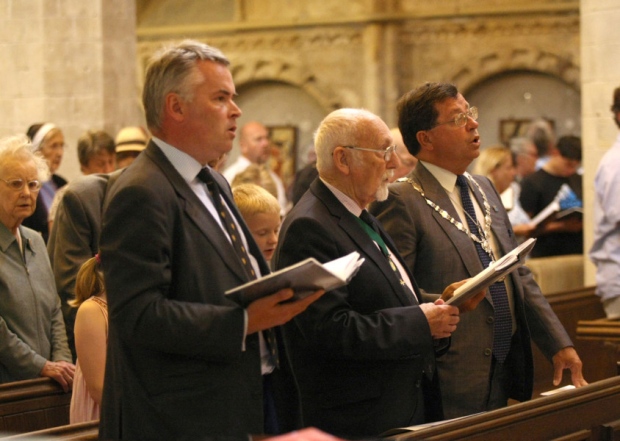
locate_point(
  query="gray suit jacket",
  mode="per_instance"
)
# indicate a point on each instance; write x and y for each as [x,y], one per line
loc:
[438,254]
[74,237]
[175,366]
[359,352]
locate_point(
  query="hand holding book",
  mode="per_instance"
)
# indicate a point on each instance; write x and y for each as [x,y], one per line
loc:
[496,271]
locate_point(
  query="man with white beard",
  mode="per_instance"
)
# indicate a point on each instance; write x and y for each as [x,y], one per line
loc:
[364,354]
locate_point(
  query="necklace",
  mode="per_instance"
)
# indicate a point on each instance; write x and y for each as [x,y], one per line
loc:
[484,233]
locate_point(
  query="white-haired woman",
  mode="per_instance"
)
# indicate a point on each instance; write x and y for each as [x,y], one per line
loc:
[33,340]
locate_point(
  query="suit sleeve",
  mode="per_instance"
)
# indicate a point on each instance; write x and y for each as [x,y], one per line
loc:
[153,266]
[340,324]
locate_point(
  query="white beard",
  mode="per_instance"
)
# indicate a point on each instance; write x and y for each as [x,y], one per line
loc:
[383,192]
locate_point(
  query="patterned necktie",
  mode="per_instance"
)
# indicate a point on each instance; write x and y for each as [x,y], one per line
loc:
[235,238]
[227,221]
[502,331]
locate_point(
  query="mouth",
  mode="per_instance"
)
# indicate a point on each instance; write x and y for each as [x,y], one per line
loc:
[233,130]
[476,140]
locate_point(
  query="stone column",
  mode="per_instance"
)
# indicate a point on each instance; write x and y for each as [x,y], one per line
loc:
[72,63]
[600,75]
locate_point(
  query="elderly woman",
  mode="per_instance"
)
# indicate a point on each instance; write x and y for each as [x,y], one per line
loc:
[33,341]
[50,142]
[497,164]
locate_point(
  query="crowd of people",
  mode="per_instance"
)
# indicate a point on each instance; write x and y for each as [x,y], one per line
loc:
[124,271]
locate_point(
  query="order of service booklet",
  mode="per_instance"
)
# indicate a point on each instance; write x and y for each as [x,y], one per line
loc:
[304,278]
[495,271]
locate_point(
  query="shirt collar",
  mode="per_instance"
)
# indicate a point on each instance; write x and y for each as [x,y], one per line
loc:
[187,166]
[446,178]
[345,200]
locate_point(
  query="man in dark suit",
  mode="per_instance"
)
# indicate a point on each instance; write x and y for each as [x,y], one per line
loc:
[363,354]
[184,361]
[428,218]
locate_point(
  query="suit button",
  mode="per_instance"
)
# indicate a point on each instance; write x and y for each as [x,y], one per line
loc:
[488,352]
[490,320]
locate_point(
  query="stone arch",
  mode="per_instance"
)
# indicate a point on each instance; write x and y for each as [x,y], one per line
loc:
[515,59]
[247,71]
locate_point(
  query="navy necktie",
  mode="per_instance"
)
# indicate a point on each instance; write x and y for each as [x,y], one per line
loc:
[502,331]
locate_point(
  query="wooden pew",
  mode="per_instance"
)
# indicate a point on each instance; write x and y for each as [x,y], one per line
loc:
[31,405]
[589,413]
[71,432]
[602,332]
[571,307]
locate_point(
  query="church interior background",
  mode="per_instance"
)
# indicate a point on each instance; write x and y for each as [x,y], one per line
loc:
[80,63]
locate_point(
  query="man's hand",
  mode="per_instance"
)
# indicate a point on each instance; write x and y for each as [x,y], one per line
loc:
[567,358]
[470,304]
[442,318]
[61,371]
[269,311]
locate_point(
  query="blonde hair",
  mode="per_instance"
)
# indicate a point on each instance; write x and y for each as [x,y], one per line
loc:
[252,199]
[491,158]
[256,174]
[89,281]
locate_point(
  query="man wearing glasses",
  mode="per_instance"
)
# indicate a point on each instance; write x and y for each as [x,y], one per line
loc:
[364,354]
[448,225]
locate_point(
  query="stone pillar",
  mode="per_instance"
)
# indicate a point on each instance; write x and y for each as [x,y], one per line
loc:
[72,63]
[600,75]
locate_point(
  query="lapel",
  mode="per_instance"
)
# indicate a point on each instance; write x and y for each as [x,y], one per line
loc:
[497,222]
[197,212]
[346,221]
[463,245]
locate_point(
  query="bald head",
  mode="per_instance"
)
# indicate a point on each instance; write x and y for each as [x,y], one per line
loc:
[254,142]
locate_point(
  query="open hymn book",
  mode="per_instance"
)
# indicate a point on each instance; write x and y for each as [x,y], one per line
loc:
[304,278]
[496,271]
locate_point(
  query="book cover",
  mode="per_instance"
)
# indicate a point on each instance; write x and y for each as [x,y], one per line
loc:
[304,278]
[496,271]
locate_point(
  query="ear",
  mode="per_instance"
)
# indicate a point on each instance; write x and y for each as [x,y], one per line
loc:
[174,107]
[341,161]
[425,140]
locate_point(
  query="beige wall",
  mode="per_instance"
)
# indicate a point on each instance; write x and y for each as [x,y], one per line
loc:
[71,63]
[600,52]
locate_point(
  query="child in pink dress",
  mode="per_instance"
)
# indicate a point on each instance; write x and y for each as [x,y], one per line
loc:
[91,335]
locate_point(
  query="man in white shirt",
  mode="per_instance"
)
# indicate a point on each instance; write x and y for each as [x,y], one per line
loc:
[255,149]
[605,252]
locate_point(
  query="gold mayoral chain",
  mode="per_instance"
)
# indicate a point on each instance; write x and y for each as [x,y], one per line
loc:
[484,234]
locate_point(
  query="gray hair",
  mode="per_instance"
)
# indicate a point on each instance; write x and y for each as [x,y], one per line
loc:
[541,134]
[173,70]
[19,148]
[341,127]
[518,146]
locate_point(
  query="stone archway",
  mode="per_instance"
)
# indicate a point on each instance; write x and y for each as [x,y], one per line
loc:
[247,70]
[516,59]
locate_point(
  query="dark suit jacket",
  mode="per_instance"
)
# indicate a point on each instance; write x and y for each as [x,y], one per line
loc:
[74,237]
[175,366]
[438,254]
[38,221]
[359,352]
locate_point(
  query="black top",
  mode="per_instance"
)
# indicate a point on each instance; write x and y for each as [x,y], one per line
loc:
[38,220]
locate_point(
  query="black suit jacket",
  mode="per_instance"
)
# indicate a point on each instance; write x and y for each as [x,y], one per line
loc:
[360,351]
[175,366]
[38,221]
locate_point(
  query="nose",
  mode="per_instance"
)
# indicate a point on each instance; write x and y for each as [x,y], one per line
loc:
[235,110]
[394,161]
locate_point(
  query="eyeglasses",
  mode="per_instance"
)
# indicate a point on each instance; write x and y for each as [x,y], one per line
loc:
[461,119]
[18,184]
[387,153]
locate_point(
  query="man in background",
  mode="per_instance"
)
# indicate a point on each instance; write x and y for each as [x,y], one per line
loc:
[556,237]
[605,251]
[448,226]
[255,149]
[129,141]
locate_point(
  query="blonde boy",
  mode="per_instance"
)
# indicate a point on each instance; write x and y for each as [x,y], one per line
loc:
[261,211]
